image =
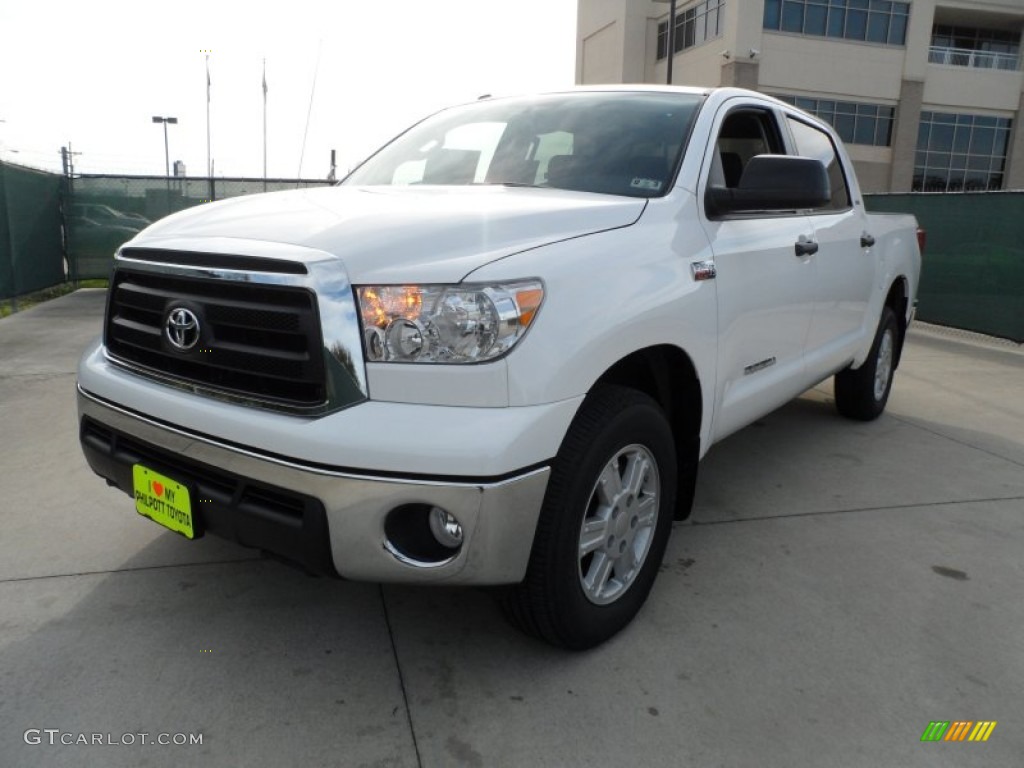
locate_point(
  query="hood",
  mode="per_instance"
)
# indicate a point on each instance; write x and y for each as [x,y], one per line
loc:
[403,234]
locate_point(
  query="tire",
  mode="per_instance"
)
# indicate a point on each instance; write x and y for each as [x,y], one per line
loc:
[600,536]
[861,393]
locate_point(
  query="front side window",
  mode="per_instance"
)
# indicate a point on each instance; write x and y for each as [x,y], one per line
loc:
[815,143]
[745,134]
[612,143]
[960,153]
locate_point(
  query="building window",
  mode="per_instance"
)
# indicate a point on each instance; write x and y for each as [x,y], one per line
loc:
[971,47]
[694,25]
[872,21]
[855,122]
[960,153]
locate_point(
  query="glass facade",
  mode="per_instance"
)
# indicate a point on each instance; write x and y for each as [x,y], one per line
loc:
[871,21]
[960,153]
[694,25]
[855,122]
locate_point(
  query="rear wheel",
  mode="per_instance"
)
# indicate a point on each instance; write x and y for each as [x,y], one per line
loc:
[604,525]
[862,393]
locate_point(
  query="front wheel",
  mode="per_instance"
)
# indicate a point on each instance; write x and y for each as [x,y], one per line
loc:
[862,393]
[604,525]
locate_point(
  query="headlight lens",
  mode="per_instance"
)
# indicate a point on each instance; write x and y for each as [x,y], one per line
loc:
[445,323]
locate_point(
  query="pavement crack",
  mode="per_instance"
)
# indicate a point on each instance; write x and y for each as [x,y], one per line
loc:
[109,571]
[42,375]
[401,677]
[824,512]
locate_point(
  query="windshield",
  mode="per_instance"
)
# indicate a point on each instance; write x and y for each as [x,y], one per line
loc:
[614,143]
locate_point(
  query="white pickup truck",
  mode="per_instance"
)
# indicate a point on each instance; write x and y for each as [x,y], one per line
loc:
[495,353]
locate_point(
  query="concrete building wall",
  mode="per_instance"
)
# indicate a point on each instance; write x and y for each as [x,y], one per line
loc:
[821,65]
[612,40]
[698,66]
[1015,164]
[967,88]
[904,135]
[872,165]
[599,62]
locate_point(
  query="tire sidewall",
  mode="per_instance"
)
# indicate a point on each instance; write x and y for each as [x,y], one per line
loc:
[640,423]
[887,324]
[855,387]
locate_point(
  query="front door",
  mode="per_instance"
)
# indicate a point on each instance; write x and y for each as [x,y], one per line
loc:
[766,290]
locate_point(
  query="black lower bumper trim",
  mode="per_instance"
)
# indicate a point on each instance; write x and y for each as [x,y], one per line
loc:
[281,522]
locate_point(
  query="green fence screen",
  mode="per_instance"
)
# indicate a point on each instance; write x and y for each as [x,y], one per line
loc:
[973,271]
[54,228]
[31,254]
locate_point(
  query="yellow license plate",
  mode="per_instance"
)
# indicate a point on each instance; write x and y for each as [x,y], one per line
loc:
[163,500]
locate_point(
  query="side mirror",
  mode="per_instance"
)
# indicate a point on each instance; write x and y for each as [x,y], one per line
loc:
[773,183]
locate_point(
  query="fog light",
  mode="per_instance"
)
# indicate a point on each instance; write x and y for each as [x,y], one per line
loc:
[445,527]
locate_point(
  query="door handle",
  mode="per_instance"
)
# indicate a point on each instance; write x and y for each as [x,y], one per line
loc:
[805,247]
[866,240]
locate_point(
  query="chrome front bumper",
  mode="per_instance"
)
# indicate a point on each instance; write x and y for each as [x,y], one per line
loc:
[498,517]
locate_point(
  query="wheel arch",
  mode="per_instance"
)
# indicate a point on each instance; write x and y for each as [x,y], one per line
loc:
[898,301]
[667,374]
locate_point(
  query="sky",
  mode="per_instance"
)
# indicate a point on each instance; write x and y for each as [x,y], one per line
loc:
[94,73]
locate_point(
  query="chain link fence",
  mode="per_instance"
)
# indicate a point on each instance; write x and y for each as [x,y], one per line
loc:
[102,212]
[56,229]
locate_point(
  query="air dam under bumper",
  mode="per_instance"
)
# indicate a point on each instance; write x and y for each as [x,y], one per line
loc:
[498,518]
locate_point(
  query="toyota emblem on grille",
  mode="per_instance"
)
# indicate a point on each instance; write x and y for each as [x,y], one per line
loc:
[182,328]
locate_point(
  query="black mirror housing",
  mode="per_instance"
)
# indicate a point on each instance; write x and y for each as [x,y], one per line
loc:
[773,183]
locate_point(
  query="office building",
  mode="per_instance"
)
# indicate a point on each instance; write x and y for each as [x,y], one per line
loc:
[927,94]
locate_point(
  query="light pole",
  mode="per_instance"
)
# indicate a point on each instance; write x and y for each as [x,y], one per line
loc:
[671,41]
[167,153]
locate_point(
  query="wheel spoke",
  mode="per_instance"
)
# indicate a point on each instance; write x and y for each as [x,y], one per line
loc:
[597,577]
[609,484]
[625,564]
[883,365]
[636,469]
[646,511]
[592,537]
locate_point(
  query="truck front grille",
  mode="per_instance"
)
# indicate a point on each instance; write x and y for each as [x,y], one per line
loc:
[255,340]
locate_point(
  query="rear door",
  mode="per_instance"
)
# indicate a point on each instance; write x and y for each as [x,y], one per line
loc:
[845,261]
[765,290]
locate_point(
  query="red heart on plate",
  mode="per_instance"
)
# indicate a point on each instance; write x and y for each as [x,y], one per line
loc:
[158,489]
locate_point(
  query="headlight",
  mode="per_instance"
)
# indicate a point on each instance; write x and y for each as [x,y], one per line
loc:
[445,323]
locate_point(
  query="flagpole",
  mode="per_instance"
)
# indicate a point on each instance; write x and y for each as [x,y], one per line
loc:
[264,125]
[209,160]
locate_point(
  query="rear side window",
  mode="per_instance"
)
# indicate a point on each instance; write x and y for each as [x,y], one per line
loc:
[815,143]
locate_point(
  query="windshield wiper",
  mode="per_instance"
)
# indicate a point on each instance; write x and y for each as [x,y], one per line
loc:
[503,184]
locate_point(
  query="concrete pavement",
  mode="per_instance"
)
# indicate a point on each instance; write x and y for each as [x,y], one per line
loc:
[840,586]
